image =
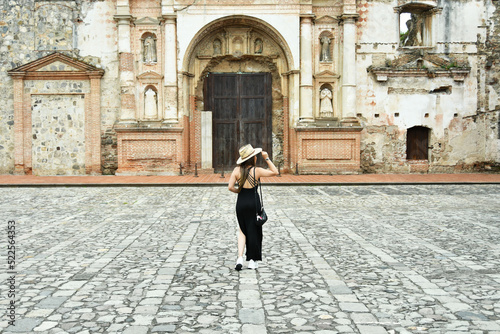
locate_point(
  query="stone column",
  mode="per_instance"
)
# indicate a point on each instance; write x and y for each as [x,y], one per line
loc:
[167,7]
[306,78]
[126,67]
[170,113]
[206,139]
[349,67]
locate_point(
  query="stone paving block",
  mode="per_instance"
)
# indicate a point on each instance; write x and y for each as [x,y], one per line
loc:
[457,307]
[25,325]
[353,307]
[163,328]
[252,316]
[253,329]
[44,326]
[73,285]
[363,318]
[37,313]
[249,295]
[142,320]
[371,329]
[487,325]
[136,330]
[51,302]
[340,289]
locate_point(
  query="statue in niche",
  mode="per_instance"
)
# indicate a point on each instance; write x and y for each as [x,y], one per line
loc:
[217,47]
[150,104]
[237,46]
[415,31]
[149,50]
[259,45]
[325,49]
[326,106]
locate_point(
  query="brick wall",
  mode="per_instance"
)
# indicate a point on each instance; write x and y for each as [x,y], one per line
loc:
[147,152]
[327,150]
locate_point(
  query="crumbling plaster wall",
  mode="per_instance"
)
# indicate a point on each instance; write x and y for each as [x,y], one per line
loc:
[89,35]
[489,49]
[462,135]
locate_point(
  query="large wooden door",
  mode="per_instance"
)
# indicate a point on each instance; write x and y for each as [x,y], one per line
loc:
[417,143]
[241,105]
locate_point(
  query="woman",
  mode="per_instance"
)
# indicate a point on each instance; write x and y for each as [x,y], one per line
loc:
[250,234]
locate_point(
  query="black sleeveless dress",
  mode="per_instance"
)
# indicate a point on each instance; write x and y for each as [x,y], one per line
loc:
[246,211]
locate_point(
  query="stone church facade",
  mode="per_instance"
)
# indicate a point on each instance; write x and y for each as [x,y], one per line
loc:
[142,87]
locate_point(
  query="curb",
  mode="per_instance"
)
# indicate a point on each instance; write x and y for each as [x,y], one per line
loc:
[220,184]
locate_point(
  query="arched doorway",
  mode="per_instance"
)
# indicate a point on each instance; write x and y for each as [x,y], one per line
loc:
[417,143]
[235,69]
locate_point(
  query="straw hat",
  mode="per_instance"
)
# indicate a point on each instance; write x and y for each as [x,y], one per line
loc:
[246,152]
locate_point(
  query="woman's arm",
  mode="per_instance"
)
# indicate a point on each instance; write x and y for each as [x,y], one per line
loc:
[232,180]
[272,171]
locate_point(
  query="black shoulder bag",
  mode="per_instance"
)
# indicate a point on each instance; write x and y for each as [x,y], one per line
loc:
[261,216]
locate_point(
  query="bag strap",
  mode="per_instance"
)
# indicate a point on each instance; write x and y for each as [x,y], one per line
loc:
[260,188]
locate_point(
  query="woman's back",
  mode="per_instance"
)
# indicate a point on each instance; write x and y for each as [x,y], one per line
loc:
[250,181]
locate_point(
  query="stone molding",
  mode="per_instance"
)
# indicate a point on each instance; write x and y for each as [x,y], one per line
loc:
[384,73]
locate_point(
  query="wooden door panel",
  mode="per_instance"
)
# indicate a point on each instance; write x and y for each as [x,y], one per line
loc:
[225,109]
[253,85]
[253,109]
[225,85]
[241,106]
[253,133]
[226,141]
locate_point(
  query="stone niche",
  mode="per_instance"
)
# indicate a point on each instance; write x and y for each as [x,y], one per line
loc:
[57,117]
[326,64]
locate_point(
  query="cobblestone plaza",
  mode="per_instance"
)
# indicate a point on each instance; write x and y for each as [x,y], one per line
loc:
[337,259]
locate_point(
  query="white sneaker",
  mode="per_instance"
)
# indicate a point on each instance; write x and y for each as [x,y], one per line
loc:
[239,263]
[252,264]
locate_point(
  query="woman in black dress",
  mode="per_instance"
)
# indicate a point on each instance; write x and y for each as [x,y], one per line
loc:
[247,177]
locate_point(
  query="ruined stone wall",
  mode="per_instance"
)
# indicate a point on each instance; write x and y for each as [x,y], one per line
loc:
[57,117]
[489,49]
[30,30]
[402,87]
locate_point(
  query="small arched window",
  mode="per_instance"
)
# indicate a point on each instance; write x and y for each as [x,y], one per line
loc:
[417,143]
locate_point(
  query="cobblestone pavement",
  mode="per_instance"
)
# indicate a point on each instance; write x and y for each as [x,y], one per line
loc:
[337,259]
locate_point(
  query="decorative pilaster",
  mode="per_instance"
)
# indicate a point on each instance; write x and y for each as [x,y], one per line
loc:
[95,122]
[306,61]
[126,58]
[167,7]
[171,114]
[18,126]
[349,67]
